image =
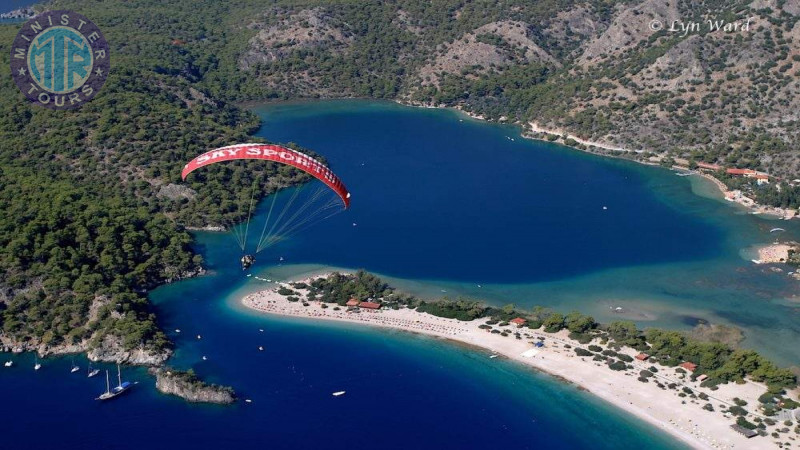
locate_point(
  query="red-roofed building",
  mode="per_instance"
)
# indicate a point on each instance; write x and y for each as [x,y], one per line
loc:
[740,172]
[708,166]
[519,321]
[642,356]
[353,302]
[691,367]
[369,305]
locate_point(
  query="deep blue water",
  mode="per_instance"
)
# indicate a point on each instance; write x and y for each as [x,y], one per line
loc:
[432,200]
[10,5]
[436,198]
[443,202]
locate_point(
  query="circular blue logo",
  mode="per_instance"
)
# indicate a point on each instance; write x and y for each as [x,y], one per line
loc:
[60,60]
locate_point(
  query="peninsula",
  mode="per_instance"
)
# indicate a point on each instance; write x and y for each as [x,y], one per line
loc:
[717,398]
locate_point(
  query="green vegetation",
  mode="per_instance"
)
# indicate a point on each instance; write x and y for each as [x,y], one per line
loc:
[95,214]
[639,95]
[188,385]
[88,223]
[719,361]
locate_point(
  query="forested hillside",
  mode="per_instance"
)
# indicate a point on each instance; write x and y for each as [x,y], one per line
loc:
[92,210]
[609,72]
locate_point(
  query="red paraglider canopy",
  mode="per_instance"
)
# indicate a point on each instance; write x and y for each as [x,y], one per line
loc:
[275,153]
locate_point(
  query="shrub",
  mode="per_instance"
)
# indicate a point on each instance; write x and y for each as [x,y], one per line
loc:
[737,411]
[708,407]
[624,357]
[582,352]
[742,422]
[646,373]
[583,338]
[617,365]
[595,348]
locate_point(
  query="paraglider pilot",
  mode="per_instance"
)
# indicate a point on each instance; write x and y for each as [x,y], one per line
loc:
[247,261]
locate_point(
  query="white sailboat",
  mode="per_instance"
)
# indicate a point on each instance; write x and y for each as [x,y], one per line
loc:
[91,372]
[74,367]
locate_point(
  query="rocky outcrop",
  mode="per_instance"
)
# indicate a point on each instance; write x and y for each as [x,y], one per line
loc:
[215,228]
[309,28]
[19,14]
[492,45]
[109,350]
[176,192]
[189,387]
[631,25]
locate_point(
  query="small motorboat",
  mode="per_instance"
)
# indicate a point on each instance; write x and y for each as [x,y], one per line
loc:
[8,363]
[36,364]
[338,393]
[260,348]
[205,358]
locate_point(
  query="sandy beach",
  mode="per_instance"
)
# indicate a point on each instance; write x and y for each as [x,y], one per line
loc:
[773,253]
[669,409]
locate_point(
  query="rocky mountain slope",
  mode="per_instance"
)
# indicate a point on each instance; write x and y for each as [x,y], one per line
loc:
[716,81]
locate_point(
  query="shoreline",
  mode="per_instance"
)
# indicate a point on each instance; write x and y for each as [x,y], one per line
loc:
[532,129]
[682,417]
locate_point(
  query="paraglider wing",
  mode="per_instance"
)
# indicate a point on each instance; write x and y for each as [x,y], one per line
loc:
[274,153]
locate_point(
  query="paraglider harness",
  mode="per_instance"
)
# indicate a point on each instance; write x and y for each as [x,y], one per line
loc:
[247,261]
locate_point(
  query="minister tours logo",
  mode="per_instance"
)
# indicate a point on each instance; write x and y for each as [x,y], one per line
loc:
[60,59]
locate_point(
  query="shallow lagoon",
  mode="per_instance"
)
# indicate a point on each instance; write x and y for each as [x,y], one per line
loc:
[431,215]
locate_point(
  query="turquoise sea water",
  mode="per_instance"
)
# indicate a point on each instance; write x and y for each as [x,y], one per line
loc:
[441,202]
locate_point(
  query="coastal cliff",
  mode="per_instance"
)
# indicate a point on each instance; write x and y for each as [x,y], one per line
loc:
[189,387]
